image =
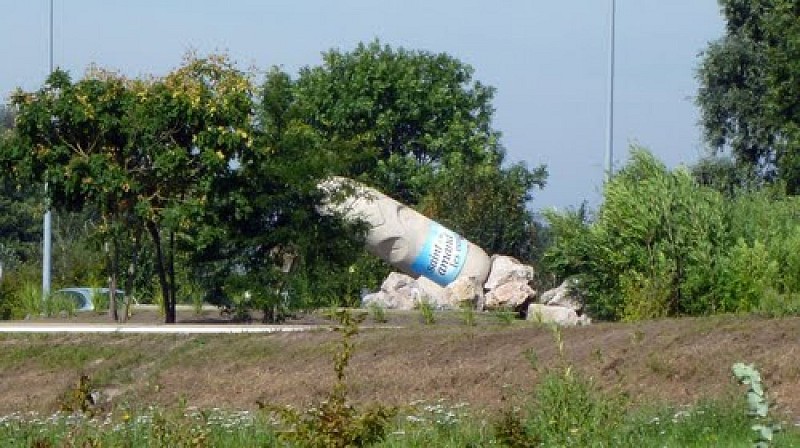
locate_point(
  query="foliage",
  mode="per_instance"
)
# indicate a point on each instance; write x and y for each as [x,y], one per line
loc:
[27,300]
[468,315]
[269,209]
[222,176]
[505,316]
[395,117]
[378,313]
[726,176]
[411,123]
[488,204]
[662,245]
[417,127]
[6,118]
[56,305]
[80,398]
[708,424]
[76,249]
[653,240]
[143,153]
[748,93]
[20,224]
[758,406]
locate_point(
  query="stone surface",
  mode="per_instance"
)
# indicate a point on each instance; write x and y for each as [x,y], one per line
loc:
[506,269]
[566,295]
[431,291]
[510,295]
[464,292]
[559,315]
[398,292]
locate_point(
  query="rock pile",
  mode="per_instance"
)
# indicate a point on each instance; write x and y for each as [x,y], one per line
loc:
[511,285]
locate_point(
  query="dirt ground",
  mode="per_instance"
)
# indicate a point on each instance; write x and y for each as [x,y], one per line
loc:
[675,361]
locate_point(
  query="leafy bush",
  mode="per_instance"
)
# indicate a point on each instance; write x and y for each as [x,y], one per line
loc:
[7,301]
[662,245]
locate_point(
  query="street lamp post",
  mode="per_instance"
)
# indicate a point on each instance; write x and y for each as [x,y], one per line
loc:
[609,157]
[47,236]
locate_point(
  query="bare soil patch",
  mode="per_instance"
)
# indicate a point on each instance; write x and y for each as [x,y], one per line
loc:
[675,361]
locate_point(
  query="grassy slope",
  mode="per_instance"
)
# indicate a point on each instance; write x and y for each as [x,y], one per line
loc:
[678,362]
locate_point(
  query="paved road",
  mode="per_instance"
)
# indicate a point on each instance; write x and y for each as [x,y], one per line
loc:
[25,327]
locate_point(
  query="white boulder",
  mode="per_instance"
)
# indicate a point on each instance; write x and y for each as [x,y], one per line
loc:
[559,315]
[510,295]
[507,269]
[398,292]
[463,292]
[566,295]
[432,292]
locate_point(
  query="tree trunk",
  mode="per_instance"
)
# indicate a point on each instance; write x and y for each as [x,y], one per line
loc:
[166,291]
[111,254]
[131,275]
[171,312]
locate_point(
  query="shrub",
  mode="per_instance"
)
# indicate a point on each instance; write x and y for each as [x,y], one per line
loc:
[662,245]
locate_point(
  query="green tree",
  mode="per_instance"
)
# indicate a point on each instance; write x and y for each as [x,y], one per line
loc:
[411,123]
[725,175]
[269,205]
[6,118]
[748,88]
[417,126]
[394,118]
[489,205]
[144,153]
[20,224]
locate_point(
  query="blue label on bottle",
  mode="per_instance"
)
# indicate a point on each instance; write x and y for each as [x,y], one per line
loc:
[442,256]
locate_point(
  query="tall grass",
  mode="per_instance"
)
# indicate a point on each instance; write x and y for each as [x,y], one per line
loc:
[29,301]
[433,424]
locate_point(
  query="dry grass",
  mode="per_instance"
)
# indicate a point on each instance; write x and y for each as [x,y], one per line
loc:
[677,361]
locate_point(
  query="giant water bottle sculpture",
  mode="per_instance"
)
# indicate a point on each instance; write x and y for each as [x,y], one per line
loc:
[403,237]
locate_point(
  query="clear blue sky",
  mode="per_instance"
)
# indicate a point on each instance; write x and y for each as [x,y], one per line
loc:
[547,59]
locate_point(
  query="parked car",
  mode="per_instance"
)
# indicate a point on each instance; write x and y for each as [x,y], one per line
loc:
[83,297]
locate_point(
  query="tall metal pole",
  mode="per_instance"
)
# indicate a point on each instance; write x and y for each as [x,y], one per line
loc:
[47,237]
[609,159]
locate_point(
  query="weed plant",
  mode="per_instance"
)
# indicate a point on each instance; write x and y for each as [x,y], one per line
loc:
[468,315]
[757,404]
[565,410]
[335,423]
[427,312]
[378,313]
[31,302]
[504,317]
